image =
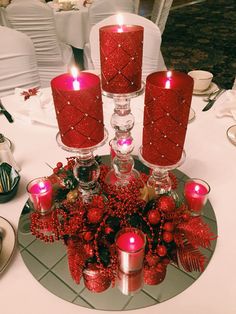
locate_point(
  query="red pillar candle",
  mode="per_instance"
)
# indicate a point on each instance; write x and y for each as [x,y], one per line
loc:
[168,98]
[196,192]
[121,53]
[130,243]
[78,106]
[40,194]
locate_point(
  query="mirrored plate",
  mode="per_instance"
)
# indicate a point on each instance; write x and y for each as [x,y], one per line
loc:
[191,115]
[212,88]
[8,243]
[231,134]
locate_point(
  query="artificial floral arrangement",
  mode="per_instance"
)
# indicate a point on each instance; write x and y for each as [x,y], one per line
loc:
[89,230]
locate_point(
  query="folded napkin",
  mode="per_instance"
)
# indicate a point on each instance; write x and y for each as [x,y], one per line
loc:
[226,105]
[38,108]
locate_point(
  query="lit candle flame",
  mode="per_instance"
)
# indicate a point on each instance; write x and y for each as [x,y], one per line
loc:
[120,22]
[42,186]
[131,240]
[168,75]
[75,73]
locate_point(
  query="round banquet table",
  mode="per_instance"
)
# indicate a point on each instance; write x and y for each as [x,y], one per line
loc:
[72,25]
[209,155]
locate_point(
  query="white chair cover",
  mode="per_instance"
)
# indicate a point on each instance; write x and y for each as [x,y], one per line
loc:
[160,12]
[152,57]
[36,19]
[18,65]
[98,11]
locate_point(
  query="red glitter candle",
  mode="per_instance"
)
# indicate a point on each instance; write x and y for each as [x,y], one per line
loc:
[168,98]
[121,53]
[78,106]
[95,280]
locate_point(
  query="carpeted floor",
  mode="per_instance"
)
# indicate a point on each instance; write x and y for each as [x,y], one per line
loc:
[203,36]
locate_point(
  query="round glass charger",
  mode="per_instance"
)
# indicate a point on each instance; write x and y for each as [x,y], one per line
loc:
[48,264]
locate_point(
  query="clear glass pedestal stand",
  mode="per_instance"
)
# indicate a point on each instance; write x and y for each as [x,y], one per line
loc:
[86,169]
[122,121]
[159,180]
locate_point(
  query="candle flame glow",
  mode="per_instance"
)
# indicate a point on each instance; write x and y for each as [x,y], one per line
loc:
[168,75]
[197,188]
[42,186]
[132,240]
[75,73]
[120,22]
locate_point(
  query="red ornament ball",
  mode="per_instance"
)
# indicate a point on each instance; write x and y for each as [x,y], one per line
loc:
[152,259]
[166,203]
[167,236]
[95,215]
[168,226]
[161,250]
[154,216]
[88,236]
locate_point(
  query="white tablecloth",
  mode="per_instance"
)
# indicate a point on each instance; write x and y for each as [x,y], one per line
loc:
[210,156]
[72,26]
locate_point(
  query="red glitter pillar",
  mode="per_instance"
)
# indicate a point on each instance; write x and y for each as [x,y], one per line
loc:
[79,110]
[168,98]
[121,53]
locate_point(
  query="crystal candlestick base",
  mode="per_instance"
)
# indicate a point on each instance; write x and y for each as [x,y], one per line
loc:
[159,179]
[86,169]
[122,121]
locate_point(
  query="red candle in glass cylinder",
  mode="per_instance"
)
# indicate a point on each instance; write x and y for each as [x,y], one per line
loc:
[130,243]
[131,283]
[168,98]
[78,106]
[40,193]
[121,54]
[195,192]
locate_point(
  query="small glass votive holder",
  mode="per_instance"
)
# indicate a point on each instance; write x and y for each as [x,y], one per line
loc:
[130,243]
[41,194]
[196,192]
[130,284]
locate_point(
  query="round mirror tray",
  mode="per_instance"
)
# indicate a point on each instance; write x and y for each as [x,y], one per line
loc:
[48,264]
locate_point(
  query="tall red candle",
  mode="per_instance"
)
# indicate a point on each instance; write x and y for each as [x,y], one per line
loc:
[121,53]
[40,194]
[130,243]
[79,112]
[168,98]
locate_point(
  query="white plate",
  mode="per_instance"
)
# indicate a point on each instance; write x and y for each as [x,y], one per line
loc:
[231,134]
[191,115]
[212,88]
[8,243]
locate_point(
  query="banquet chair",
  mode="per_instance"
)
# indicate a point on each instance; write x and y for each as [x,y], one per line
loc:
[152,56]
[36,19]
[18,66]
[160,12]
[100,10]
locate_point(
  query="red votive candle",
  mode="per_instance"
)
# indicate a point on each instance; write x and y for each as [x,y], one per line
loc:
[130,243]
[95,280]
[130,284]
[121,54]
[78,106]
[40,194]
[168,98]
[196,192]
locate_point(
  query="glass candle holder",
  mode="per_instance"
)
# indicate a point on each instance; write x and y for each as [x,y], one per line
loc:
[130,284]
[196,192]
[40,194]
[130,243]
